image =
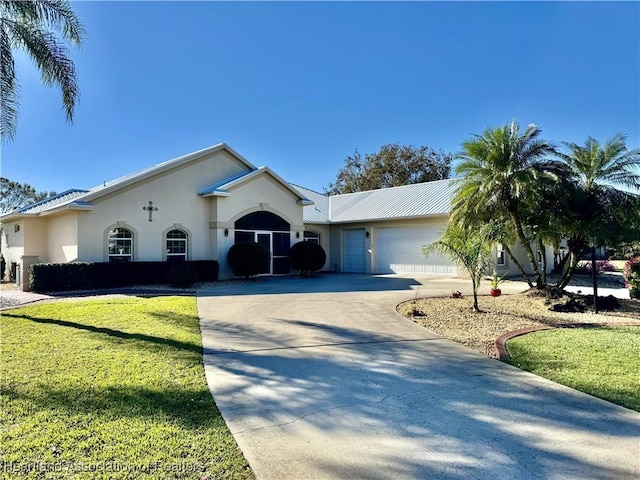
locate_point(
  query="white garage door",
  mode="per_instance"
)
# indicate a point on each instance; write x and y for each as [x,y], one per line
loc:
[399,250]
[354,242]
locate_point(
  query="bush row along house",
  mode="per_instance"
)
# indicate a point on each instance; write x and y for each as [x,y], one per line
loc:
[195,207]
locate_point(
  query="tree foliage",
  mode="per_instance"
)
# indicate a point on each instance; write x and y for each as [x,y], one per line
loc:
[595,207]
[500,172]
[15,195]
[538,195]
[31,26]
[394,165]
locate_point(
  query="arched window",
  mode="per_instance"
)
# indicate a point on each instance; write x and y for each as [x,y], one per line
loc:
[120,242]
[311,237]
[176,246]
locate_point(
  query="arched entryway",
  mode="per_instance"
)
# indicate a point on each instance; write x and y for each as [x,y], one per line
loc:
[270,231]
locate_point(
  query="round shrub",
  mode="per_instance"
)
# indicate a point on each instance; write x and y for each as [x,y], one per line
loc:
[307,257]
[181,276]
[247,259]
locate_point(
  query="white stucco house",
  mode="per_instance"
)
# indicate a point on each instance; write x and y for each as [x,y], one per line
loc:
[198,205]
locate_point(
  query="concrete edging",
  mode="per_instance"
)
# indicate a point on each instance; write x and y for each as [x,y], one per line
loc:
[500,343]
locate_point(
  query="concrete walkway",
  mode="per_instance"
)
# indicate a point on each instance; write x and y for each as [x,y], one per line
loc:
[320,378]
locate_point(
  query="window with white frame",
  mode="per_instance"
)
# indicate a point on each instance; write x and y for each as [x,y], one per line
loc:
[500,259]
[120,241]
[312,237]
[176,246]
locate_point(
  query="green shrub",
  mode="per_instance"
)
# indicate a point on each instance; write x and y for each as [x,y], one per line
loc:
[57,277]
[181,276]
[247,259]
[632,274]
[307,257]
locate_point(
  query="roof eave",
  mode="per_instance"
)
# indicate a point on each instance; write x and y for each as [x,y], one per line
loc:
[216,193]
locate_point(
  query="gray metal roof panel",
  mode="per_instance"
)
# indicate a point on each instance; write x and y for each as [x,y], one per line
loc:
[58,200]
[319,211]
[417,200]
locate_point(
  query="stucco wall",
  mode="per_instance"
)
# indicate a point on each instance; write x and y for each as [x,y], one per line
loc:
[174,193]
[62,238]
[12,246]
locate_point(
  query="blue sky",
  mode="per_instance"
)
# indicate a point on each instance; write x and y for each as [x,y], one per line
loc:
[299,86]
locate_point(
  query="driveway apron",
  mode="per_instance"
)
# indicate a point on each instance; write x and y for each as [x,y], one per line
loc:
[320,378]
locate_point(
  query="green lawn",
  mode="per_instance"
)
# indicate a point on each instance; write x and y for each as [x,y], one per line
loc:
[602,361]
[110,389]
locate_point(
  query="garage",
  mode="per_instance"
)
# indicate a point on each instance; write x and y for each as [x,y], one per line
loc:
[399,250]
[355,247]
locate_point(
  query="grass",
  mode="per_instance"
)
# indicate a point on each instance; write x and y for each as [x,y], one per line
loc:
[110,389]
[601,361]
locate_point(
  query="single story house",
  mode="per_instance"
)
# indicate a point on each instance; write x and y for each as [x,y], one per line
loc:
[198,205]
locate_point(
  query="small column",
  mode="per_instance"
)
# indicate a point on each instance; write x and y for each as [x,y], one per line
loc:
[27,261]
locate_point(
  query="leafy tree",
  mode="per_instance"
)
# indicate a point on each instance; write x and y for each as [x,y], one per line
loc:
[592,178]
[501,170]
[470,248]
[16,195]
[394,165]
[31,26]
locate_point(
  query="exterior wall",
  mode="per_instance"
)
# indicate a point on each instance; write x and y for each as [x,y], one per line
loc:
[174,194]
[62,238]
[262,192]
[518,251]
[12,244]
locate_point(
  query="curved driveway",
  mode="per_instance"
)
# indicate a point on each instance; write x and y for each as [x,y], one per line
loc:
[320,378]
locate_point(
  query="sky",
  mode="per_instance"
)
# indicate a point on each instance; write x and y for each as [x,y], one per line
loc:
[299,86]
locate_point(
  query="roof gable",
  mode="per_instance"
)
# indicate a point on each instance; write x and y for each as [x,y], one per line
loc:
[224,187]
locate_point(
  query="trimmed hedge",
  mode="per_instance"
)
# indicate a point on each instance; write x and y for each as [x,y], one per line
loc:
[247,259]
[307,257]
[57,277]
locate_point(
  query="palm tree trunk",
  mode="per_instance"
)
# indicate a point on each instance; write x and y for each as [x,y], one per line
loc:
[476,308]
[517,264]
[543,252]
[527,248]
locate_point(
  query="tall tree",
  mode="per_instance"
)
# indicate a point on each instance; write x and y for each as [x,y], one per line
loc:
[16,195]
[31,26]
[394,165]
[469,248]
[499,171]
[597,207]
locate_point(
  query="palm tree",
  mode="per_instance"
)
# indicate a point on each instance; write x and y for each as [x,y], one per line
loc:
[30,26]
[469,248]
[595,175]
[500,169]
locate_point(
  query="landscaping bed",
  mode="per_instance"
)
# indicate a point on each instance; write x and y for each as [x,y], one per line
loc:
[453,318]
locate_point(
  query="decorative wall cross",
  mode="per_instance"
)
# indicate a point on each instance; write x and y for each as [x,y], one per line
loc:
[150,208]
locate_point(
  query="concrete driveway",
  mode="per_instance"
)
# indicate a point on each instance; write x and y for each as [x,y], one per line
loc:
[320,378]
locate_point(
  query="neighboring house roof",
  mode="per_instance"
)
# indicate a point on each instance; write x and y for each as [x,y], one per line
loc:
[319,211]
[416,200]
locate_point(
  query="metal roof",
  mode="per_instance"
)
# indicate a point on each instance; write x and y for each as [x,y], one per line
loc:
[319,211]
[52,202]
[417,200]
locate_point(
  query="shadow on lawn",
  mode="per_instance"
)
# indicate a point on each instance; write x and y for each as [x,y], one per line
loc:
[160,341]
[187,406]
